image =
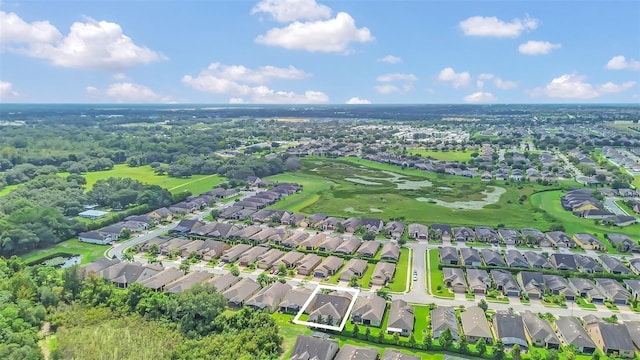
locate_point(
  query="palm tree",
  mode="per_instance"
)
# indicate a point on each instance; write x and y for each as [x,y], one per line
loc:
[384,293]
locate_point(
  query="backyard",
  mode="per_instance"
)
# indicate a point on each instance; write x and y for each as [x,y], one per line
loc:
[436,280]
[399,283]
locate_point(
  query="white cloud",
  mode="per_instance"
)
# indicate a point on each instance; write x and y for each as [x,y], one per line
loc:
[397,77]
[534,47]
[485,76]
[448,75]
[505,84]
[357,101]
[15,30]
[494,27]
[390,59]
[120,76]
[246,85]
[480,97]
[387,89]
[126,92]
[572,86]
[6,90]
[292,10]
[332,35]
[620,63]
[90,45]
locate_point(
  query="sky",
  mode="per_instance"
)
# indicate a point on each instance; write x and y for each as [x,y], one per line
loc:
[320,52]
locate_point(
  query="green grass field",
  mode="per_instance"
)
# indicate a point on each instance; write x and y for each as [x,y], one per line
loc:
[354,187]
[89,252]
[460,156]
[9,188]
[197,184]
[435,276]
[399,283]
[422,315]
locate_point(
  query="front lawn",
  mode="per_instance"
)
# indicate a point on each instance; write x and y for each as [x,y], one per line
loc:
[399,283]
[584,304]
[436,279]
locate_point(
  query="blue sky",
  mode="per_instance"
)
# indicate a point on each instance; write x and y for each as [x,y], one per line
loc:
[307,51]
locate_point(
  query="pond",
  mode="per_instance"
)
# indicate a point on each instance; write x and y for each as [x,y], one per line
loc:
[59,260]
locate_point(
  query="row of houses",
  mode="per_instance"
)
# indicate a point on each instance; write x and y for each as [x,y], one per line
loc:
[583,204]
[536,285]
[138,223]
[322,348]
[512,258]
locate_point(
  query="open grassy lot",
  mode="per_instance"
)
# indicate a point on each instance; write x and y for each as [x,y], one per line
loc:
[549,201]
[399,283]
[436,280]
[422,315]
[9,188]
[355,187]
[461,156]
[88,252]
[197,184]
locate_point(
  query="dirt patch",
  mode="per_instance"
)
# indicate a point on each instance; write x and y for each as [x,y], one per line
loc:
[490,197]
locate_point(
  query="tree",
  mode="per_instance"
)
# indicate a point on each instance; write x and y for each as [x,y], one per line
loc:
[498,350]
[234,271]
[154,249]
[184,266]
[214,213]
[412,340]
[384,293]
[427,341]
[595,356]
[396,337]
[367,334]
[463,344]
[353,282]
[380,337]
[127,256]
[368,235]
[552,354]
[516,352]
[446,338]
[292,163]
[263,279]
[356,331]
[481,346]
[282,270]
[482,304]
[340,227]
[196,309]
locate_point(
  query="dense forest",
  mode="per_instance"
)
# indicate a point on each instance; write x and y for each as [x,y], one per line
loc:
[90,319]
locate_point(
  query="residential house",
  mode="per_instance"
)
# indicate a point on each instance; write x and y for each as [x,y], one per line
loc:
[294,239]
[509,329]
[534,236]
[470,257]
[369,310]
[95,237]
[240,292]
[270,297]
[184,226]
[158,281]
[368,249]
[212,249]
[328,308]
[329,267]
[401,318]
[313,241]
[612,339]
[223,282]
[539,332]
[294,300]
[557,285]
[266,260]
[622,242]
[315,220]
[463,234]
[223,230]
[330,244]
[314,348]
[289,259]
[352,224]
[449,256]
[291,219]
[391,354]
[161,215]
[505,283]
[112,230]
[352,352]
[390,251]
[383,273]
[536,260]
[475,325]
[173,245]
[308,263]
[487,234]
[454,279]
[187,282]
[571,332]
[560,239]
[354,267]
[634,264]
[587,264]
[563,261]
[532,284]
[440,232]
[613,290]
[245,233]
[515,259]
[97,265]
[331,223]
[613,265]
[123,274]
[442,318]
[633,285]
[418,232]
[135,226]
[349,246]
[634,331]
[586,289]
[479,281]
[372,224]
[233,254]
[588,241]
[394,229]
[509,236]
[492,258]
